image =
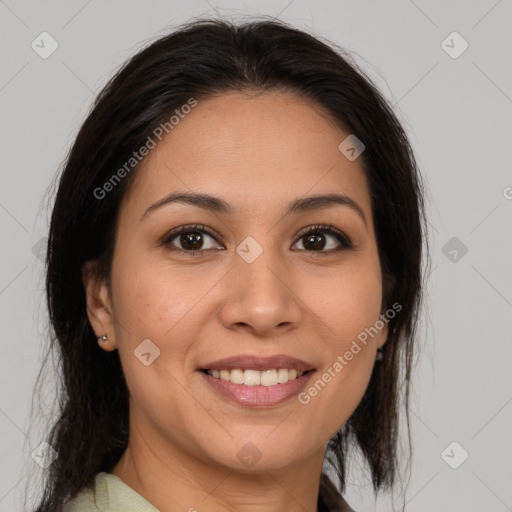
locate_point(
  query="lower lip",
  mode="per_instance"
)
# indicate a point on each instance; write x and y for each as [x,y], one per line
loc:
[258,396]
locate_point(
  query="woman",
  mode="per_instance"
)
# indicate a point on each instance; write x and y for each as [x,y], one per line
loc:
[233,279]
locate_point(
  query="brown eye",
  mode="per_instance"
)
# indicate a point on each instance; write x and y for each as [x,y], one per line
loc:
[197,239]
[317,239]
[314,241]
[190,239]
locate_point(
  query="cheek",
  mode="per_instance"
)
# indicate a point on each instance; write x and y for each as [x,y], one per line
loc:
[149,300]
[351,303]
[350,306]
[155,305]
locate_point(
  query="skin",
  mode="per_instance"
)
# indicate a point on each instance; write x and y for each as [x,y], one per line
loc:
[258,152]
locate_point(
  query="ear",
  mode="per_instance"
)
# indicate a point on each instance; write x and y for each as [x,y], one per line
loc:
[99,308]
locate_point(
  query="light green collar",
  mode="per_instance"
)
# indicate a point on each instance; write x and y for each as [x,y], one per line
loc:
[108,493]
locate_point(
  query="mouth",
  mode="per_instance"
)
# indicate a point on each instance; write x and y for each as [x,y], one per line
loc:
[249,377]
[257,381]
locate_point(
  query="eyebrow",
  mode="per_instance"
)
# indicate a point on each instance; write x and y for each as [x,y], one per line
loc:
[218,205]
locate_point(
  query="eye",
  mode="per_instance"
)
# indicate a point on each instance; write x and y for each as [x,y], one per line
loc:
[191,239]
[314,240]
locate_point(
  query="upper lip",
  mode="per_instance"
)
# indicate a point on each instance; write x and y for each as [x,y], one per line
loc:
[251,362]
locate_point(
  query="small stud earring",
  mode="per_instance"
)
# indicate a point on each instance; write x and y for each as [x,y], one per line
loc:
[379,356]
[103,338]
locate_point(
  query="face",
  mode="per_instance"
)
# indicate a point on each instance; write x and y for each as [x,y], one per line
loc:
[258,280]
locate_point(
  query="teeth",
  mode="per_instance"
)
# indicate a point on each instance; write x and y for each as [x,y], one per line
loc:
[237,376]
[282,376]
[251,377]
[255,377]
[270,377]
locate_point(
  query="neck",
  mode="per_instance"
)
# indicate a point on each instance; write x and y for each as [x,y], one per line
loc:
[171,479]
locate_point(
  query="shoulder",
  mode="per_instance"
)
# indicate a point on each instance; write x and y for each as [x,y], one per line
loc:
[84,501]
[108,493]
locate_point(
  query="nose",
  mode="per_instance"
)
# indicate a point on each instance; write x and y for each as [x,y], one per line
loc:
[262,296]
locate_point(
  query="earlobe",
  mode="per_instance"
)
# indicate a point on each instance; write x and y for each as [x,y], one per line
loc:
[99,310]
[381,340]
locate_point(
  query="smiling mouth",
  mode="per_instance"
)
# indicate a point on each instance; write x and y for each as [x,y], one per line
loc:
[249,377]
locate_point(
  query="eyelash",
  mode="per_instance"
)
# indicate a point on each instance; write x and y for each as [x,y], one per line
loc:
[344,240]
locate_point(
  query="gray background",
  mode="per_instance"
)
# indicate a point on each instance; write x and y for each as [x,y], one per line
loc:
[457,112]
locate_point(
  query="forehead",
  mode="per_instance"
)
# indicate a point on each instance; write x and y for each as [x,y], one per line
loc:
[253,150]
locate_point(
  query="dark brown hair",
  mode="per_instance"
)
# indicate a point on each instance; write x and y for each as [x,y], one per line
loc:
[199,59]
